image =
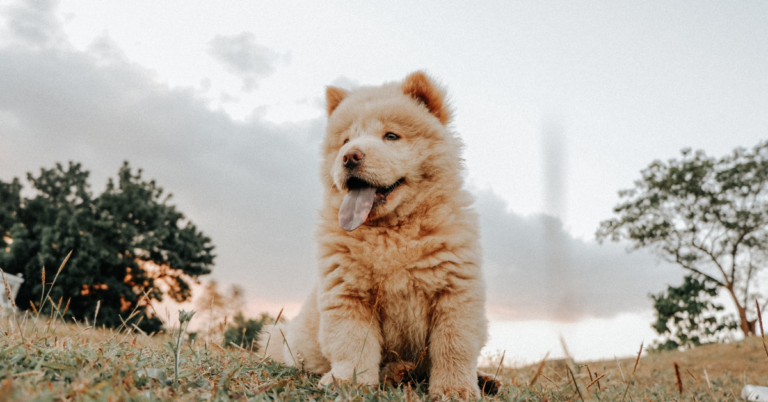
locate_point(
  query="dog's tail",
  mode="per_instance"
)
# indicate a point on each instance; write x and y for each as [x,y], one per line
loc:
[271,342]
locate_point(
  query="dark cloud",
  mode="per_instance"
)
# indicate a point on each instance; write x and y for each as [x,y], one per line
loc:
[536,270]
[242,56]
[252,185]
[33,23]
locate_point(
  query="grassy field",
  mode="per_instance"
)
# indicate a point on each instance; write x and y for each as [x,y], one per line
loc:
[48,360]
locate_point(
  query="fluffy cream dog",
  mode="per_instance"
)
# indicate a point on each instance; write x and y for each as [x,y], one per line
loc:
[400,283]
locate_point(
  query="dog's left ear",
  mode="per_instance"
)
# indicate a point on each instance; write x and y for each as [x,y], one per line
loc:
[420,87]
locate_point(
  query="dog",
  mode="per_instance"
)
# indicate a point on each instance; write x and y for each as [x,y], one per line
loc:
[400,292]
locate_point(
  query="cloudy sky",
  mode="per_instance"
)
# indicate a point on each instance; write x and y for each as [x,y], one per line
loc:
[560,104]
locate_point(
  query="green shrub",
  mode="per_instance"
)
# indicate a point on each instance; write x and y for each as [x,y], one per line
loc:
[245,331]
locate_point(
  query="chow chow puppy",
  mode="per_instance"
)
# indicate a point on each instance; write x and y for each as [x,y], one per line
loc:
[400,291]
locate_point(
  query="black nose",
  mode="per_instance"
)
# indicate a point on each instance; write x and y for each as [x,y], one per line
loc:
[352,158]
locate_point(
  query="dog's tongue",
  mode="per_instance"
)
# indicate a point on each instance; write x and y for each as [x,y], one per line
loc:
[355,208]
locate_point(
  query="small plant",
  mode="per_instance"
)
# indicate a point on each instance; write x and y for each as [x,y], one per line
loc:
[176,345]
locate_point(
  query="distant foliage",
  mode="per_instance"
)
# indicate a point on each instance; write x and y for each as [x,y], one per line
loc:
[245,331]
[215,306]
[128,241]
[707,215]
[687,316]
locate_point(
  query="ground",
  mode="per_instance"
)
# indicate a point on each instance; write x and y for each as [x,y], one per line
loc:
[55,361]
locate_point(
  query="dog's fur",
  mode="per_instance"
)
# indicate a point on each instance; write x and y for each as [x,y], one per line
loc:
[405,288]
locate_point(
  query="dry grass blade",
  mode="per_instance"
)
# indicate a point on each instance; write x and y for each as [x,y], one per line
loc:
[620,370]
[596,380]
[565,349]
[539,369]
[280,314]
[639,352]
[66,308]
[679,382]
[96,314]
[588,371]
[42,303]
[130,316]
[42,294]
[575,384]
[625,392]
[34,309]
[421,355]
[499,368]
[289,347]
[762,332]
[269,338]
[550,380]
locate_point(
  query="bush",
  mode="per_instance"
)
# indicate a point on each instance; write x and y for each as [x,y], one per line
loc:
[244,332]
[687,316]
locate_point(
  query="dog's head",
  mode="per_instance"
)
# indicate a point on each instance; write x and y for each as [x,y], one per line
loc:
[387,150]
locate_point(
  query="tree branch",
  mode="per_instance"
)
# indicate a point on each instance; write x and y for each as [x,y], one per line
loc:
[746,286]
[735,249]
[682,264]
[714,259]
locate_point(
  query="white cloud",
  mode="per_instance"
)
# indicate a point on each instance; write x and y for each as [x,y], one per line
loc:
[252,185]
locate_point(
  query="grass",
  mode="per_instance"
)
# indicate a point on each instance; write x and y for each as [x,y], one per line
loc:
[49,360]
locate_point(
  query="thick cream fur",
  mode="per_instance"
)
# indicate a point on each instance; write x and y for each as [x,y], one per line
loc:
[406,286]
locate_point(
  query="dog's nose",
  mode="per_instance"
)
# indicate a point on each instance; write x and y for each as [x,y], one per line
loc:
[352,158]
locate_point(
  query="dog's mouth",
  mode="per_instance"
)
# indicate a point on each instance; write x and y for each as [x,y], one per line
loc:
[360,199]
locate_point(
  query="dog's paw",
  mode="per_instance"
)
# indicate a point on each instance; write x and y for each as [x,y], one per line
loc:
[488,384]
[444,392]
[367,377]
[395,373]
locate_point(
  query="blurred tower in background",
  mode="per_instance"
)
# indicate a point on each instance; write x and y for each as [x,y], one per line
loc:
[557,258]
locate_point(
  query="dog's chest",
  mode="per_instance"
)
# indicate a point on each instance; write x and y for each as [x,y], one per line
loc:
[402,277]
[404,316]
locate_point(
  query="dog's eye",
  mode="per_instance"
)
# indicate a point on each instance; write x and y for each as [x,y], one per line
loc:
[391,136]
[346,141]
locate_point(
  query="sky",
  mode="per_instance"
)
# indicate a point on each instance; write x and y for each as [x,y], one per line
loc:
[560,106]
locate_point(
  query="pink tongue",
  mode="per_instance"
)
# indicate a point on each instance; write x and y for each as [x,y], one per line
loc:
[355,208]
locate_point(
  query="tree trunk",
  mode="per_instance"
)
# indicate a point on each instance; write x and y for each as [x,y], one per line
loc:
[746,326]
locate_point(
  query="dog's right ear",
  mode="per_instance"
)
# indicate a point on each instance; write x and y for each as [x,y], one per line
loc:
[334,96]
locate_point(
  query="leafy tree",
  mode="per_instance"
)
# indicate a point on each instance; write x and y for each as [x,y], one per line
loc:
[709,216]
[686,315]
[127,242]
[244,332]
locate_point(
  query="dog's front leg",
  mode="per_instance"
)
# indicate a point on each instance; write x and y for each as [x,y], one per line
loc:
[459,331]
[350,337]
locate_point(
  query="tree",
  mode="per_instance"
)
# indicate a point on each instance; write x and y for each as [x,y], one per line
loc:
[246,331]
[707,215]
[216,305]
[129,246]
[687,316]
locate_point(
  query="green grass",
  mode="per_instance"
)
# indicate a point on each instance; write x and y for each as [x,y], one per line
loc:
[48,359]
[54,361]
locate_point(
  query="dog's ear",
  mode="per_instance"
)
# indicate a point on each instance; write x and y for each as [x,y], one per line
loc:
[334,96]
[421,88]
